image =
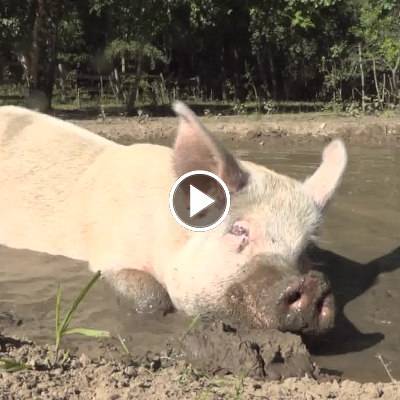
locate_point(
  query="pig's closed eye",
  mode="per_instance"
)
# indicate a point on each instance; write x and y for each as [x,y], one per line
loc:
[240,231]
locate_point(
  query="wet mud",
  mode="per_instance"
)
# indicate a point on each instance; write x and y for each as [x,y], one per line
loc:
[218,347]
[358,249]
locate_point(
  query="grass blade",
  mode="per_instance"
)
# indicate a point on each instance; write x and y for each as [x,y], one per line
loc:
[123,345]
[192,324]
[58,309]
[10,365]
[77,301]
[88,332]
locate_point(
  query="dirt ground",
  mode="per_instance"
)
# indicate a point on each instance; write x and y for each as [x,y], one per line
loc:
[290,127]
[239,367]
[164,376]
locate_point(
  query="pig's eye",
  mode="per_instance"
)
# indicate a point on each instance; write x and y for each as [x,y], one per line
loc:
[238,229]
[239,234]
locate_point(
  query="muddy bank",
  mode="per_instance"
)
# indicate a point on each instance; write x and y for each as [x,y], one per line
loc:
[293,128]
[361,230]
[219,347]
[156,377]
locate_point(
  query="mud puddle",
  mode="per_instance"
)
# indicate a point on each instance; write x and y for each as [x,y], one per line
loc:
[361,236]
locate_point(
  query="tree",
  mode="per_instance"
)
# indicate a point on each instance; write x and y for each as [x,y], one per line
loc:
[229,50]
[32,33]
[133,25]
[378,33]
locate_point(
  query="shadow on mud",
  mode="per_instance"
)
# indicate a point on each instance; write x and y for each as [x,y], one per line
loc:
[349,280]
[219,347]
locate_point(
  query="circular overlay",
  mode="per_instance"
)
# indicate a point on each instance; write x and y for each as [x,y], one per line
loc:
[199,200]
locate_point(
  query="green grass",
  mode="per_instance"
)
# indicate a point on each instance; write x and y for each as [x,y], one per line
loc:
[191,326]
[63,327]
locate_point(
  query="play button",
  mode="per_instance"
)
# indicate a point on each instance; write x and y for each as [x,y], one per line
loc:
[199,200]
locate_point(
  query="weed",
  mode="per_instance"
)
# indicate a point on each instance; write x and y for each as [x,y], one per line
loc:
[386,366]
[123,345]
[192,324]
[62,328]
[239,388]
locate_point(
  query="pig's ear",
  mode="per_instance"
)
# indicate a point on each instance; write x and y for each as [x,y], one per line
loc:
[195,148]
[323,183]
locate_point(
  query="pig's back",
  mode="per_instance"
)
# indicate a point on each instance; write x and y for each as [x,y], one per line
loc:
[128,217]
[41,161]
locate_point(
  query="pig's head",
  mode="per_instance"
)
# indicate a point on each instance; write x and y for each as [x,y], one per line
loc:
[254,266]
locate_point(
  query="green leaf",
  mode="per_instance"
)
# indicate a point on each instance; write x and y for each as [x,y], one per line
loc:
[77,301]
[88,332]
[133,49]
[192,324]
[58,307]
[123,345]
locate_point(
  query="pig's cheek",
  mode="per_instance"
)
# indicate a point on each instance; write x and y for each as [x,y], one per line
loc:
[236,243]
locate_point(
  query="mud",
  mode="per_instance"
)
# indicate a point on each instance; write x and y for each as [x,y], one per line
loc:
[292,128]
[162,376]
[359,251]
[217,347]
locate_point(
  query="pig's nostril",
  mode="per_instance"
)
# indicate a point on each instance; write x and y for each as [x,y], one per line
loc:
[293,297]
[320,305]
[306,305]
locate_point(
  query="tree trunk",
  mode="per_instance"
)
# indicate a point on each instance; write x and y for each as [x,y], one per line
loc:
[360,61]
[50,67]
[274,80]
[34,54]
[396,87]
[62,82]
[237,75]
[123,68]
[263,76]
[334,82]
[378,95]
[383,88]
[130,106]
[43,53]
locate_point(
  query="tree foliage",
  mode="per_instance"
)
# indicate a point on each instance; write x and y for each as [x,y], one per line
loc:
[228,50]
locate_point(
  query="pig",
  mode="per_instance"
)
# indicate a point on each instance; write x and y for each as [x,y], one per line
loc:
[67,191]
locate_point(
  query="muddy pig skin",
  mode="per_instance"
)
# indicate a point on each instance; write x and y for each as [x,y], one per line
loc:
[67,191]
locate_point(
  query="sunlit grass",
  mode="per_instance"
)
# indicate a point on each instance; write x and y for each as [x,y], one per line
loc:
[63,328]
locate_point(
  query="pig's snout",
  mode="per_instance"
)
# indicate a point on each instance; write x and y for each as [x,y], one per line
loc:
[306,305]
[295,303]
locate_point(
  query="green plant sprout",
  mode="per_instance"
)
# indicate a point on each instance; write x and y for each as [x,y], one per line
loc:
[62,328]
[191,326]
[123,345]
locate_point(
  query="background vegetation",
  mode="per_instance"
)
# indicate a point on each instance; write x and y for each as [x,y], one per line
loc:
[345,53]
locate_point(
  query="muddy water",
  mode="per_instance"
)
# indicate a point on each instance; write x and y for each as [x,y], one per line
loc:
[361,232]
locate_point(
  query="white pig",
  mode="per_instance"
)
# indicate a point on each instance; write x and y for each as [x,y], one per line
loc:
[67,191]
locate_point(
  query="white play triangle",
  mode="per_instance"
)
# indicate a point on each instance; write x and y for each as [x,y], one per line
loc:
[198,201]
